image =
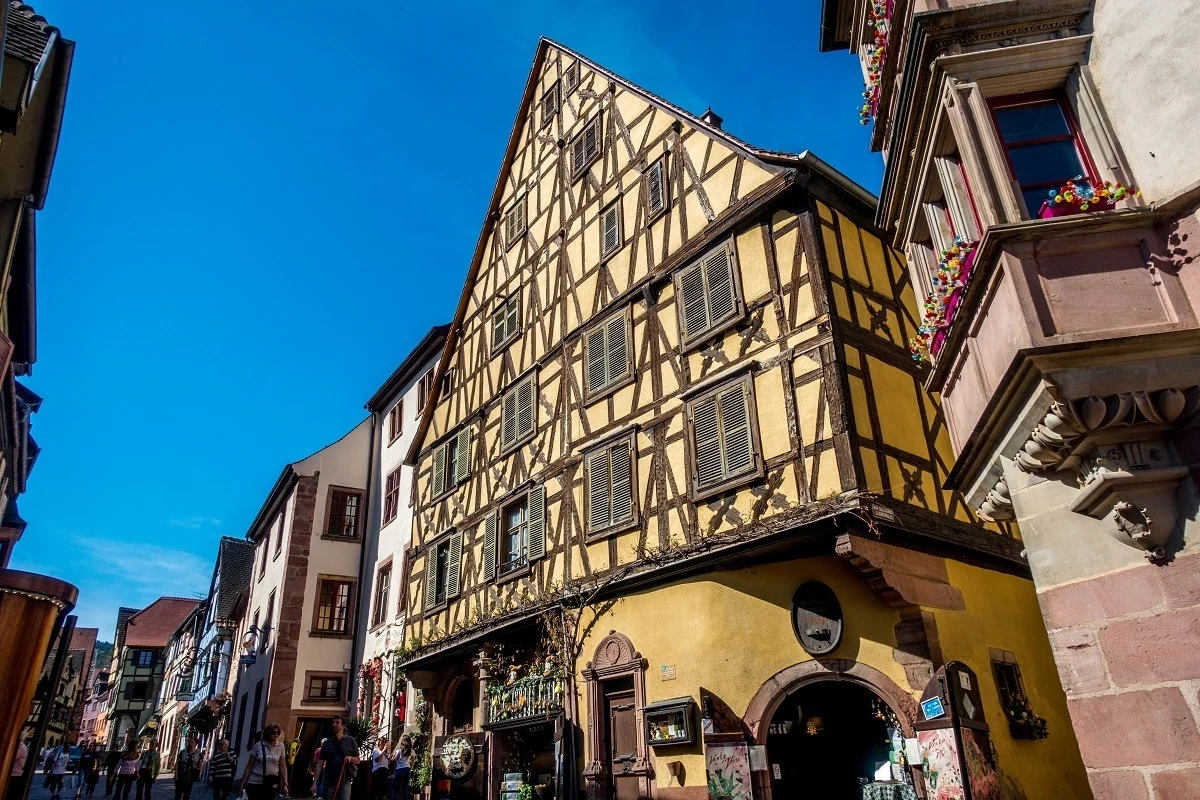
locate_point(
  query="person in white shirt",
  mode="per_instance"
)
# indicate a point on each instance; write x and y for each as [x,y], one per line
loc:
[58,770]
[381,762]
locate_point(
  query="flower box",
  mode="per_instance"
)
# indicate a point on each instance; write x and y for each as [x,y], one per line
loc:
[952,303]
[1048,211]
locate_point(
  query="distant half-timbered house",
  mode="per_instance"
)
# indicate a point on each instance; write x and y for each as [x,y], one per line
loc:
[675,401]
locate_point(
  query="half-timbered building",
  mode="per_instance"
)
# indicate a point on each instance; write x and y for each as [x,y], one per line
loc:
[680,515]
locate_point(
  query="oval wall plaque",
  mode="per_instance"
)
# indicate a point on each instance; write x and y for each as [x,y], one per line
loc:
[817,618]
[458,757]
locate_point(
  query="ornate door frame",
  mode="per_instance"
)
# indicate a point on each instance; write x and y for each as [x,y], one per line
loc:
[615,657]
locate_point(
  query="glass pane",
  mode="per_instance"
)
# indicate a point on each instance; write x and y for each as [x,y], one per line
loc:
[1031,121]
[1049,163]
[1034,199]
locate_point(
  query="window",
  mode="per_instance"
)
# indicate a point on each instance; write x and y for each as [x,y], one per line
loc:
[443,563]
[391,496]
[514,222]
[571,77]
[585,147]
[383,584]
[324,688]
[262,565]
[707,293]
[447,382]
[343,513]
[139,690]
[606,353]
[424,387]
[550,103]
[452,462]
[609,482]
[723,436]
[506,321]
[412,493]
[1043,145]
[396,421]
[145,658]
[515,535]
[333,605]
[279,532]
[266,631]
[656,188]
[518,411]
[610,229]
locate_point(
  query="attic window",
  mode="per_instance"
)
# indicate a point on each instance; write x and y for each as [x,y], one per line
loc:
[514,222]
[571,77]
[585,148]
[551,101]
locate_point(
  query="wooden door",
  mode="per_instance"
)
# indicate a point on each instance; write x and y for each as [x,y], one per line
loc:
[621,737]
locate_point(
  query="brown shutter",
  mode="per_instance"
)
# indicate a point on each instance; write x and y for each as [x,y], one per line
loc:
[454,566]
[430,578]
[439,470]
[525,407]
[610,229]
[490,524]
[706,436]
[693,301]
[618,348]
[596,358]
[591,138]
[463,462]
[735,429]
[508,432]
[621,468]
[656,194]
[578,155]
[599,507]
[718,277]
[537,522]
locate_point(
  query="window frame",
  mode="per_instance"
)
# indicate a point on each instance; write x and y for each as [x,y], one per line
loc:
[507,447]
[282,519]
[696,493]
[382,594]
[351,583]
[579,170]
[359,495]
[147,656]
[688,343]
[266,629]
[572,71]
[310,675]
[548,113]
[591,395]
[512,235]
[425,388]
[266,546]
[443,540]
[613,207]
[595,534]
[501,312]
[651,214]
[396,421]
[391,495]
[521,564]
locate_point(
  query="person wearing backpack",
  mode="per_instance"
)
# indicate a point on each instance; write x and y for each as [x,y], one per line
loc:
[187,769]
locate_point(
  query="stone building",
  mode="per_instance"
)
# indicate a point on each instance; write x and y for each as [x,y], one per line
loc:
[1061,331]
[680,520]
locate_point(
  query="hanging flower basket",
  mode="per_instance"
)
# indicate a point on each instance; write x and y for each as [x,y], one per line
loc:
[1078,197]
[953,270]
[878,15]
[1022,722]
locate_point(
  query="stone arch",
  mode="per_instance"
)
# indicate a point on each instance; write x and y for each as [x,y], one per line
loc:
[614,651]
[775,690]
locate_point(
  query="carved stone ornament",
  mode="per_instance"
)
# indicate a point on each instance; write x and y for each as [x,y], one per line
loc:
[997,505]
[1118,449]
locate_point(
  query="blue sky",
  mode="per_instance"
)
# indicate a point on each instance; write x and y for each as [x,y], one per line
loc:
[255,214]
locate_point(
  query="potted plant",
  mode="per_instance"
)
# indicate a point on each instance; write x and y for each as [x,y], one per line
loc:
[1079,196]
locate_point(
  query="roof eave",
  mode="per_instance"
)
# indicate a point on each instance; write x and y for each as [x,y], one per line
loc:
[408,368]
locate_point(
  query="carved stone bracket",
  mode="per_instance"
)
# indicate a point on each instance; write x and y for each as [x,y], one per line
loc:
[997,505]
[1117,446]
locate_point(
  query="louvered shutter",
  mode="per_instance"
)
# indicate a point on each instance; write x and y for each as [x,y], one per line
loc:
[463,460]
[706,434]
[695,306]
[618,348]
[621,470]
[598,488]
[597,360]
[610,226]
[498,335]
[525,408]
[578,155]
[735,430]
[490,524]
[454,566]
[591,139]
[439,470]
[656,196]
[718,277]
[537,522]
[513,323]
[509,423]
[430,578]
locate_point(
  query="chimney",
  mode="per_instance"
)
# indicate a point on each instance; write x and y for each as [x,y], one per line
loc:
[711,118]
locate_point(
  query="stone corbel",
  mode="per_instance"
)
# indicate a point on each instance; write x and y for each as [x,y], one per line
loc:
[1118,449]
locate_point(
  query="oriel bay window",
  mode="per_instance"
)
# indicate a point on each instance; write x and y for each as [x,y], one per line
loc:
[610,486]
[707,294]
[443,570]
[342,515]
[515,534]
[1042,143]
[606,350]
[452,462]
[723,428]
[332,614]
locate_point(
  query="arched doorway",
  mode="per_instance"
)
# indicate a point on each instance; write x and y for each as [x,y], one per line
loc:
[826,736]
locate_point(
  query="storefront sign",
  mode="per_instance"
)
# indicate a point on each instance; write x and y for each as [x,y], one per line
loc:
[458,757]
[817,618]
[932,708]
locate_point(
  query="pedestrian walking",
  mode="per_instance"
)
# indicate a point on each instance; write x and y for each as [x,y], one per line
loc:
[221,768]
[381,761]
[16,777]
[337,762]
[187,768]
[111,760]
[266,768]
[58,761]
[404,754]
[126,772]
[148,765]
[86,771]
[312,769]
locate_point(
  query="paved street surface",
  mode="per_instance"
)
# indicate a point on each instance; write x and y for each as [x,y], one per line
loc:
[164,789]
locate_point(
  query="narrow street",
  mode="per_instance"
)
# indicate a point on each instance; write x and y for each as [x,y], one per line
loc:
[163,789]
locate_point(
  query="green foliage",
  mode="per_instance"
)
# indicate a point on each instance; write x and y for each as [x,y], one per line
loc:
[422,741]
[525,792]
[362,731]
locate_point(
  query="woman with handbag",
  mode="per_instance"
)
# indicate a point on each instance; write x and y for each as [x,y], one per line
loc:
[266,769]
[187,769]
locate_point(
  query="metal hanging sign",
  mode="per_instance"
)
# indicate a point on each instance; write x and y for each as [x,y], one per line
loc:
[817,618]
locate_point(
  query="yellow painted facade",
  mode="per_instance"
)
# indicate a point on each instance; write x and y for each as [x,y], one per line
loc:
[845,440]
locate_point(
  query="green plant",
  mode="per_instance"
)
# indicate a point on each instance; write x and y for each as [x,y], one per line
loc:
[525,792]
[419,734]
[362,731]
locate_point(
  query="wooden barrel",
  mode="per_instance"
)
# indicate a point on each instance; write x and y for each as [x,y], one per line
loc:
[30,605]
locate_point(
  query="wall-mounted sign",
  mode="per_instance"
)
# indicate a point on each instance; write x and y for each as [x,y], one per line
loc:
[458,757]
[817,618]
[666,672]
[932,708]
[247,659]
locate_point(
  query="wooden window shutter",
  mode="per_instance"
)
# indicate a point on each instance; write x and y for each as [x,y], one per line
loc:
[430,578]
[498,337]
[718,277]
[621,468]
[537,522]
[508,432]
[463,462]
[439,470]
[610,229]
[596,368]
[656,188]
[706,434]
[591,138]
[578,155]
[694,302]
[525,407]
[571,77]
[735,429]
[454,566]
[618,348]
[513,323]
[598,490]
[490,526]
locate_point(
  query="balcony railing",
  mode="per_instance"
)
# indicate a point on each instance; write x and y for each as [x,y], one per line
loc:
[524,700]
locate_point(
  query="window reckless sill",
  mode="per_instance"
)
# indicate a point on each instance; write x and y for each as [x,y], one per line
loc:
[439,608]
[600,394]
[509,449]
[319,634]
[733,484]
[308,701]
[332,537]
[712,333]
[612,530]
[509,577]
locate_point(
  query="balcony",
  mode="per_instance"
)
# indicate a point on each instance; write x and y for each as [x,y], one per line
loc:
[535,698]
